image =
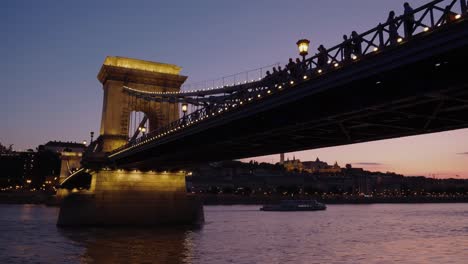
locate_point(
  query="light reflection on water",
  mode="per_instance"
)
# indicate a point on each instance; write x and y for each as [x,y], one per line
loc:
[420,233]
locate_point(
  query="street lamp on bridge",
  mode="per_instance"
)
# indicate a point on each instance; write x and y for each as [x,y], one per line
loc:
[303,46]
[184,108]
[142,130]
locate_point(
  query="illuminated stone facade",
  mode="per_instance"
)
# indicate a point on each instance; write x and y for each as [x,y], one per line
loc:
[131,198]
[113,197]
[311,166]
[117,72]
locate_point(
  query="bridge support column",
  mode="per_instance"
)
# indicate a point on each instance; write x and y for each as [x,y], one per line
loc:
[131,198]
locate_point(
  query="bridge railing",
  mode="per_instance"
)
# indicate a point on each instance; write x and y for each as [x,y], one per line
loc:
[230,80]
[387,35]
[391,33]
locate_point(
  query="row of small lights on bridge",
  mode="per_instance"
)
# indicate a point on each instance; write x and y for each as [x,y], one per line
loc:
[303,46]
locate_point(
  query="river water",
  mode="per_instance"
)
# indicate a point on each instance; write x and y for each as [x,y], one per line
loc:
[380,233]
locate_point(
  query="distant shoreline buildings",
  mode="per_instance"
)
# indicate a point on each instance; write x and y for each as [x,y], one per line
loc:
[40,169]
[44,168]
[310,166]
[296,177]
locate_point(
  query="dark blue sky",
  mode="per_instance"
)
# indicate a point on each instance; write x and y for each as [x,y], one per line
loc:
[52,50]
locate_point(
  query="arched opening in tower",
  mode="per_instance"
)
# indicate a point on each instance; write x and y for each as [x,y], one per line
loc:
[138,124]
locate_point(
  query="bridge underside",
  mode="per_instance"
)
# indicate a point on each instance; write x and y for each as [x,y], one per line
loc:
[417,88]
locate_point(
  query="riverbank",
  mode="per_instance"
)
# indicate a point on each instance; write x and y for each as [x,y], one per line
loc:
[27,197]
[213,199]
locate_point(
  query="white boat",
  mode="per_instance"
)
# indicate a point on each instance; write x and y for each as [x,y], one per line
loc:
[295,205]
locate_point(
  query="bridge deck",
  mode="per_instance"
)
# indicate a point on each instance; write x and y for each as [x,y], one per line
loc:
[415,88]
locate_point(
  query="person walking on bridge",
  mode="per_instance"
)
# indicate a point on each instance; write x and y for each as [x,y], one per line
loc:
[392,28]
[322,57]
[282,74]
[347,48]
[291,67]
[268,79]
[408,20]
[356,41]
[275,75]
[300,68]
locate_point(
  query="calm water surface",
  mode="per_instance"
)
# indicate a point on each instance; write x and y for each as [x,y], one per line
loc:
[421,233]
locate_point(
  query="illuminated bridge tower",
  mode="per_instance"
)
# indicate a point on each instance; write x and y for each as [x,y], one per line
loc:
[118,105]
[131,196]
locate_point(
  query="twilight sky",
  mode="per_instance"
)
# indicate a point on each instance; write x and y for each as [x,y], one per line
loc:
[53,50]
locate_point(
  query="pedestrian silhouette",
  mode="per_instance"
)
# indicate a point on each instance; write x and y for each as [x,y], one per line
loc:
[408,20]
[268,80]
[392,28]
[282,74]
[322,57]
[347,48]
[275,75]
[356,43]
[291,67]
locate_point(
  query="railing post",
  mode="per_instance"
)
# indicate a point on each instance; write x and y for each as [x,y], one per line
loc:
[381,37]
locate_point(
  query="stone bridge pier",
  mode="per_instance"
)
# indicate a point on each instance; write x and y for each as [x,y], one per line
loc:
[131,198]
[101,196]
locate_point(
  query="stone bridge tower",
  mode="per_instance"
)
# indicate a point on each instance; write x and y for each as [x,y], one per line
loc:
[117,72]
[130,197]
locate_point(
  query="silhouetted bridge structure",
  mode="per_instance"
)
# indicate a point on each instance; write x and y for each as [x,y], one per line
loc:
[410,86]
[390,84]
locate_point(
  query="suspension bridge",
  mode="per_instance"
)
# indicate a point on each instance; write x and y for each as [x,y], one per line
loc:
[404,77]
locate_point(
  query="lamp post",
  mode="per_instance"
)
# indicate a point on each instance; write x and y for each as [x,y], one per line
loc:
[303,46]
[184,109]
[142,130]
[92,136]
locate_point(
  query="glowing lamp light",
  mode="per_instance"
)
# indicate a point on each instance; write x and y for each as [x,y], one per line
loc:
[354,57]
[84,142]
[399,40]
[305,77]
[376,49]
[319,71]
[291,82]
[426,29]
[458,16]
[184,107]
[303,46]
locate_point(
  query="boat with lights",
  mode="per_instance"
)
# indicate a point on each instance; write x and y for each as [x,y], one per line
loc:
[295,205]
